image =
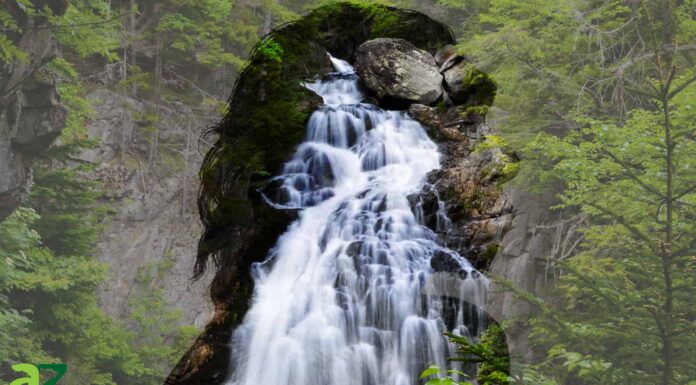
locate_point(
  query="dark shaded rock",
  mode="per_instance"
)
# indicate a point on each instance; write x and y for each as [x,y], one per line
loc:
[468,85]
[439,127]
[444,54]
[40,118]
[31,116]
[426,207]
[443,261]
[395,69]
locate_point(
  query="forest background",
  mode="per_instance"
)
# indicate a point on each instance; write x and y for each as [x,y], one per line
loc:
[595,96]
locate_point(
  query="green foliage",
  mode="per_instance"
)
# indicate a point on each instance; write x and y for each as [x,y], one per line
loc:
[9,51]
[158,338]
[19,245]
[93,29]
[201,28]
[490,356]
[48,291]
[72,94]
[613,315]
[625,301]
[448,378]
[69,222]
[271,49]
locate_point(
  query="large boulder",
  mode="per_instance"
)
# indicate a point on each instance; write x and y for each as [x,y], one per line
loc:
[395,69]
[466,84]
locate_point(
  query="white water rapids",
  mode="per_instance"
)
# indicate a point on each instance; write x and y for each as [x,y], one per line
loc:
[343,298]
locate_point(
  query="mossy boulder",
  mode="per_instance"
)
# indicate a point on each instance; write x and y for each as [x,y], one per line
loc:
[468,85]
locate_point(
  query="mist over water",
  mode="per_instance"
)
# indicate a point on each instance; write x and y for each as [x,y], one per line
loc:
[348,295]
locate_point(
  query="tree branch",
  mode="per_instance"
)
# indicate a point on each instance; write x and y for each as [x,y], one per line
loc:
[633,176]
[632,229]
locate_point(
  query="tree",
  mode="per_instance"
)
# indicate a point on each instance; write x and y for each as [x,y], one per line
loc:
[625,302]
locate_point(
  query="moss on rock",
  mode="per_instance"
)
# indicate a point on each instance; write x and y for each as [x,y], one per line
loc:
[469,85]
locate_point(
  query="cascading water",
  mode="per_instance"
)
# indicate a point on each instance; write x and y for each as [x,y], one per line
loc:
[348,296]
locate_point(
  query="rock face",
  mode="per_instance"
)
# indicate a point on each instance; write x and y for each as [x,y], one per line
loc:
[152,226]
[31,116]
[395,68]
[521,259]
[399,74]
[469,183]
[499,227]
[443,54]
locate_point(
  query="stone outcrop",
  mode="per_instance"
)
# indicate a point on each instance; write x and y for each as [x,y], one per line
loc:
[469,183]
[500,227]
[31,116]
[443,54]
[152,227]
[395,68]
[521,260]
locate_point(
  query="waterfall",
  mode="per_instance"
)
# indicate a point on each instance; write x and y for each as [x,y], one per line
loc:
[349,295]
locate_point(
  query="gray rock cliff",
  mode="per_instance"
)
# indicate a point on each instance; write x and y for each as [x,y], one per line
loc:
[152,223]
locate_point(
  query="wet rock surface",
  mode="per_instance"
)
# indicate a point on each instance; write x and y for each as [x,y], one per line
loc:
[502,229]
